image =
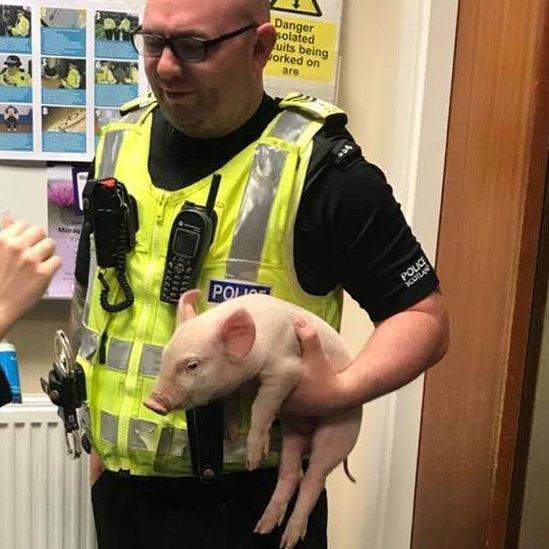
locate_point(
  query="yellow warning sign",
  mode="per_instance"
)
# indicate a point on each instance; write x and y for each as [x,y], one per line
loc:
[304,49]
[306,7]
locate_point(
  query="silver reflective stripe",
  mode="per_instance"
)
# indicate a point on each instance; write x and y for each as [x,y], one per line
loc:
[109,158]
[173,442]
[151,355]
[91,277]
[251,226]
[142,434]
[118,354]
[89,342]
[290,126]
[109,427]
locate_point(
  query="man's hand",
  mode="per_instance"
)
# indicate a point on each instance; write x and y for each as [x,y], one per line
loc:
[400,349]
[320,390]
[96,467]
[27,264]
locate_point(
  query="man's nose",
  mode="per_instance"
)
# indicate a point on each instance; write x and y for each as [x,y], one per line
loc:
[168,64]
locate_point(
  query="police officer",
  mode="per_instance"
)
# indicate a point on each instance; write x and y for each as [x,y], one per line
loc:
[132,74]
[73,79]
[11,118]
[109,27]
[104,74]
[300,214]
[13,74]
[124,28]
[21,28]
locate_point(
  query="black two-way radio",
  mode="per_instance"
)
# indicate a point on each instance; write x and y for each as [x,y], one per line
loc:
[192,234]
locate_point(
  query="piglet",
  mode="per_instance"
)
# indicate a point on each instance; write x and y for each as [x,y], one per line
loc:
[252,337]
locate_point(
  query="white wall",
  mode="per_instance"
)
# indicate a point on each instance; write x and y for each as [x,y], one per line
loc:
[394,84]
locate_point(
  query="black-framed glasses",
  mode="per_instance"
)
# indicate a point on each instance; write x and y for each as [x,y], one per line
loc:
[190,49]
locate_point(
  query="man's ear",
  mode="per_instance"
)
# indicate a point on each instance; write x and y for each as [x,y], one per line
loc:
[266,39]
[186,308]
[238,334]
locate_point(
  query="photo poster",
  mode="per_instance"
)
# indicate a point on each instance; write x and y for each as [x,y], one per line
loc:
[306,55]
[65,69]
[65,183]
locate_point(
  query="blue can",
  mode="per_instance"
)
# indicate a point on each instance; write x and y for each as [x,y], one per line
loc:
[8,363]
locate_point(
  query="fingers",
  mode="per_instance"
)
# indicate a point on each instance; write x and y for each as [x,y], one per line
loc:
[31,235]
[51,266]
[13,228]
[308,337]
[40,251]
[6,220]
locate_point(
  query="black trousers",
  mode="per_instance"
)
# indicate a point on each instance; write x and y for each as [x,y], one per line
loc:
[161,513]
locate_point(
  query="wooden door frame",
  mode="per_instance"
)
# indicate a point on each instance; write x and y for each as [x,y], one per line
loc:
[488,243]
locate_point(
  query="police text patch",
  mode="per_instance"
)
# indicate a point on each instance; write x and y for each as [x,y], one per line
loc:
[223,290]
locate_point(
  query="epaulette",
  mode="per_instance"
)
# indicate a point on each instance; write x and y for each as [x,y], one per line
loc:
[339,149]
[319,109]
[140,102]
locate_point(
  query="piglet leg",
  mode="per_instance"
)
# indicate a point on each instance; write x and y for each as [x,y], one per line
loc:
[332,441]
[272,392]
[310,488]
[294,446]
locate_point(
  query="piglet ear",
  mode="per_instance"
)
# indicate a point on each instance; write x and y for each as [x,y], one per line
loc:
[238,333]
[186,308]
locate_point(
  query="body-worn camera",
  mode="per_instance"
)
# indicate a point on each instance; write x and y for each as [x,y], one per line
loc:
[112,215]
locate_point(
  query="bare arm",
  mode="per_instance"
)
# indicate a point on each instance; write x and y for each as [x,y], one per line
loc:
[400,349]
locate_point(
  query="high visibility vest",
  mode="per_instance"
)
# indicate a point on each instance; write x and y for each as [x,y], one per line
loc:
[73,79]
[22,27]
[104,75]
[17,77]
[252,251]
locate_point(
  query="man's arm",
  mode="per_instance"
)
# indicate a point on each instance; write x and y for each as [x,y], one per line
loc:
[399,350]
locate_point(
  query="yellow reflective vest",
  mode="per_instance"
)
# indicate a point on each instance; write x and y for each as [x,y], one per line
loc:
[73,79]
[252,251]
[14,76]
[104,75]
[21,28]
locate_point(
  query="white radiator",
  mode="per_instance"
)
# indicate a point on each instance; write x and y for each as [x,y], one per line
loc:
[44,495]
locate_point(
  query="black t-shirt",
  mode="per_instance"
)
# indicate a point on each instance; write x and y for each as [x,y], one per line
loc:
[349,229]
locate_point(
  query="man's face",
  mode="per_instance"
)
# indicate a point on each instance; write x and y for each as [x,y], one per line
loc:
[199,98]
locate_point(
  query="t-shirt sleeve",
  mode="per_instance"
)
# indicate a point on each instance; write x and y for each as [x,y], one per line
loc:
[353,230]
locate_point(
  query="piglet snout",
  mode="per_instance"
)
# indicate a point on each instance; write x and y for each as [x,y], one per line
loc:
[157,403]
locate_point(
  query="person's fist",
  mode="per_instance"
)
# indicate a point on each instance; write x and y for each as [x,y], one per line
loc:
[27,265]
